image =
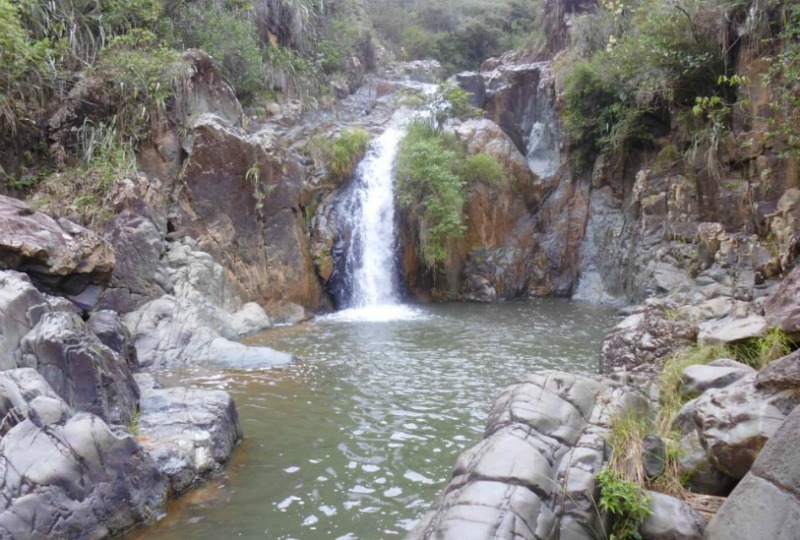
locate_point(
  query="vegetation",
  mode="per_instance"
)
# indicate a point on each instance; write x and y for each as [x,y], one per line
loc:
[341,155]
[648,64]
[626,503]
[459,33]
[431,190]
[433,172]
[483,168]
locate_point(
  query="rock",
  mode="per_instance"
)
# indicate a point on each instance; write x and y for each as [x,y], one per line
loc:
[784,226]
[21,308]
[250,319]
[139,246]
[288,313]
[424,71]
[766,503]
[533,474]
[205,90]
[174,331]
[643,341]
[112,332]
[24,390]
[671,519]
[699,378]
[781,374]
[654,458]
[241,200]
[701,475]
[782,308]
[735,422]
[474,84]
[189,432]
[58,255]
[75,479]
[85,373]
[670,278]
[731,330]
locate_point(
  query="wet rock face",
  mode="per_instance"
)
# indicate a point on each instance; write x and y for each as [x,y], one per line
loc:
[532,476]
[58,255]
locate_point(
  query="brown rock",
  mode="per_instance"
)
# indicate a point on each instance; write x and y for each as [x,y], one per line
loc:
[242,203]
[58,255]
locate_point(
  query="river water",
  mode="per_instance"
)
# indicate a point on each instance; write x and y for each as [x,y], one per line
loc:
[355,440]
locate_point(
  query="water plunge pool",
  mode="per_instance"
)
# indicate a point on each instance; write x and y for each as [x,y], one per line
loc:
[356,439]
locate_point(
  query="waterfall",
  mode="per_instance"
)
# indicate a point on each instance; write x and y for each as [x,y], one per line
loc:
[374,239]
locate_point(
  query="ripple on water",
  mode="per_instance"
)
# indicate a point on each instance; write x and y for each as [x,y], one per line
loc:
[363,431]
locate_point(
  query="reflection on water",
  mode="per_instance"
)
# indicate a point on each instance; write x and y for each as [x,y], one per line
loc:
[356,439]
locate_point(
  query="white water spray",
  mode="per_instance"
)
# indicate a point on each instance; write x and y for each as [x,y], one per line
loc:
[374,234]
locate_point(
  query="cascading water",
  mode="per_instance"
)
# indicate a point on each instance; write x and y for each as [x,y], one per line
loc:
[373,224]
[367,261]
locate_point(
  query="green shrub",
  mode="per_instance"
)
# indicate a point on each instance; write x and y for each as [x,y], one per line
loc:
[232,41]
[483,168]
[431,190]
[626,502]
[141,76]
[340,156]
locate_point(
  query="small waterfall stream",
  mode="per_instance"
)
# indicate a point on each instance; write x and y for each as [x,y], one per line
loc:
[372,253]
[368,261]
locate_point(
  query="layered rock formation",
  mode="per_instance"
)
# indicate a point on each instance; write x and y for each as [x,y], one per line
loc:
[533,475]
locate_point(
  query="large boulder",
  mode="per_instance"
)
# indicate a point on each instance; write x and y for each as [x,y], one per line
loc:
[175,331]
[671,519]
[58,255]
[68,475]
[532,476]
[190,432]
[21,308]
[782,308]
[241,200]
[766,503]
[733,423]
[88,375]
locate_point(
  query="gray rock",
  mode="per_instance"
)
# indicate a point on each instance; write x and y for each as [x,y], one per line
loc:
[699,378]
[250,319]
[85,373]
[671,519]
[190,432]
[112,332]
[701,475]
[643,341]
[766,503]
[75,479]
[654,458]
[21,308]
[23,390]
[731,330]
[735,422]
[781,374]
[289,313]
[532,476]
[175,331]
[782,308]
